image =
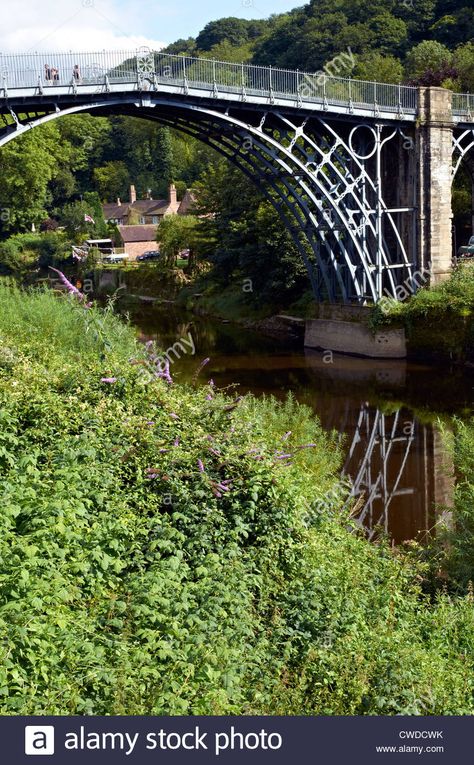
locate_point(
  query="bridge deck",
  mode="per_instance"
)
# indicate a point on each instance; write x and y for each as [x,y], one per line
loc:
[27,77]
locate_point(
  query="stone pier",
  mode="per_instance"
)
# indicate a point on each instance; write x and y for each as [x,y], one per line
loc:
[434,142]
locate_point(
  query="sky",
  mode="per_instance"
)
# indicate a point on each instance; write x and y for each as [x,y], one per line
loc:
[96,25]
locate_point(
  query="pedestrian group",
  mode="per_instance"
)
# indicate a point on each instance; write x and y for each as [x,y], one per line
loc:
[51,75]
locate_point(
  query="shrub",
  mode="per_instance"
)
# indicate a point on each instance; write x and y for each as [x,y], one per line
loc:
[161,555]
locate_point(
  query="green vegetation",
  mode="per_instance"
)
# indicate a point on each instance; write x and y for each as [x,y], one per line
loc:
[449,306]
[56,174]
[159,554]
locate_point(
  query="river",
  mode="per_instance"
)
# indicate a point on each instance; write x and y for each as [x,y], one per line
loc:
[392,417]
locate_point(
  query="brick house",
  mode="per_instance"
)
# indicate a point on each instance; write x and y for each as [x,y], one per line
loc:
[138,239]
[146,211]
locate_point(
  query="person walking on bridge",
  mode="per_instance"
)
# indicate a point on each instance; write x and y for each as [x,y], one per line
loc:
[55,75]
[76,74]
[47,74]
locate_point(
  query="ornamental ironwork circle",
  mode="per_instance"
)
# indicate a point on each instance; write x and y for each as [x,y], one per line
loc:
[145,60]
[353,132]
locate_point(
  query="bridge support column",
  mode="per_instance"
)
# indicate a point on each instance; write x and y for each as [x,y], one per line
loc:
[434,147]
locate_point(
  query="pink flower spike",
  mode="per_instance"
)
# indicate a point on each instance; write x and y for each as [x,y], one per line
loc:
[110,380]
[286,435]
[70,287]
[200,466]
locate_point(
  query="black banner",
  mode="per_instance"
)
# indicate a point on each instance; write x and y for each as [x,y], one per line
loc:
[228,740]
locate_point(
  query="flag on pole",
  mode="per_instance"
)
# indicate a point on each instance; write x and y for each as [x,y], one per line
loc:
[88,219]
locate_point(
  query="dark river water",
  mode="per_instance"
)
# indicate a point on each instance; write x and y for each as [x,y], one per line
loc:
[392,416]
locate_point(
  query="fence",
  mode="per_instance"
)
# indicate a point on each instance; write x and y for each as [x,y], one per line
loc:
[463,105]
[126,67]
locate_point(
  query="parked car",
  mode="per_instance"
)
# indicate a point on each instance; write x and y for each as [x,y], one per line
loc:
[468,249]
[115,258]
[150,255]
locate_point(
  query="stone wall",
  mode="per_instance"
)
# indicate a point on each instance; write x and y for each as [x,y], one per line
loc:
[355,338]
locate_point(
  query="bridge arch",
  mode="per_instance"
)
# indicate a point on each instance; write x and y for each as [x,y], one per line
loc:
[307,169]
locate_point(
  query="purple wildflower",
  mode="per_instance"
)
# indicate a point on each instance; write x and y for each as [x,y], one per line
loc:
[152,473]
[284,457]
[164,373]
[201,365]
[163,450]
[150,422]
[174,416]
[176,442]
[70,287]
[200,466]
[307,446]
[209,397]
[222,487]
[110,380]
[286,435]
[211,383]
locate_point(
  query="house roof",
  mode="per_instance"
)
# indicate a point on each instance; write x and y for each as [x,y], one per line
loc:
[113,210]
[143,206]
[144,233]
[187,203]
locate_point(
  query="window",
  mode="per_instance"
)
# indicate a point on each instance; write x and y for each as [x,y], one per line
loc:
[142,219]
[154,218]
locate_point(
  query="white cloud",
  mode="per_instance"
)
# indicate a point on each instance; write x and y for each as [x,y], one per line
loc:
[77,25]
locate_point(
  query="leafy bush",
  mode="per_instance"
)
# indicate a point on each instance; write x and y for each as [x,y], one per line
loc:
[449,305]
[21,252]
[161,555]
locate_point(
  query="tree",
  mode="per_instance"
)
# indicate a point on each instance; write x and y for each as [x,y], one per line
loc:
[112,180]
[182,47]
[245,239]
[27,165]
[176,233]
[232,30]
[375,66]
[428,55]
[463,62]
[73,218]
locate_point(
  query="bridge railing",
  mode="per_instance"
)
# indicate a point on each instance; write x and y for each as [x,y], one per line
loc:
[463,105]
[245,80]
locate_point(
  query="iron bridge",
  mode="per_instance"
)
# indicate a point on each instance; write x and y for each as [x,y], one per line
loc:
[338,158]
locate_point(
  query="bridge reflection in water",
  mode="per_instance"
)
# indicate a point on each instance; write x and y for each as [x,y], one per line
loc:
[400,469]
[401,472]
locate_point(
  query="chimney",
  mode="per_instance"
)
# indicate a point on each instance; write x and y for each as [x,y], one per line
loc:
[173,199]
[119,203]
[133,194]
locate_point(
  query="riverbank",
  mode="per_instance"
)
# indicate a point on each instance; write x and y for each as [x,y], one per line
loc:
[449,306]
[167,549]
